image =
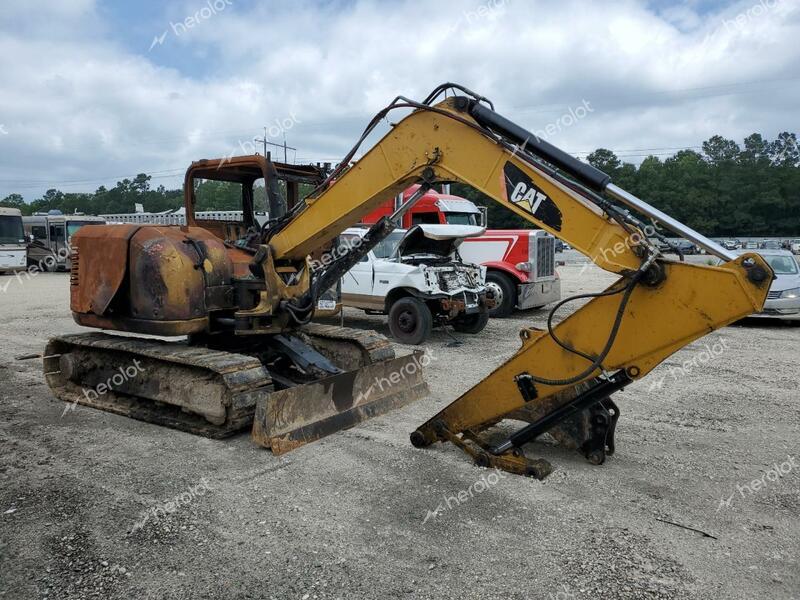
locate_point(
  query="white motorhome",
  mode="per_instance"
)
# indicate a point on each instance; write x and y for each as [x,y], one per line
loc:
[13,251]
[49,236]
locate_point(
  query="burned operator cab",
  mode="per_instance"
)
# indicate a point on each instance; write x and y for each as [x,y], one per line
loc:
[261,189]
[183,280]
[265,192]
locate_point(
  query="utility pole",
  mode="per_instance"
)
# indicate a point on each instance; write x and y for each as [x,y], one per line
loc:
[284,145]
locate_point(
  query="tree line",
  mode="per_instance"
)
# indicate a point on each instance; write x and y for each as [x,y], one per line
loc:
[725,190]
[123,198]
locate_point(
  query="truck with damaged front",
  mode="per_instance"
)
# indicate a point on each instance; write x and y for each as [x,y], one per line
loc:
[418,279]
[520,263]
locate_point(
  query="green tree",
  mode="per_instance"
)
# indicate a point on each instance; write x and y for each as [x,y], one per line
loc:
[605,160]
[16,201]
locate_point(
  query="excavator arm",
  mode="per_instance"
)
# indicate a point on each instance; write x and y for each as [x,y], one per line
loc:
[561,379]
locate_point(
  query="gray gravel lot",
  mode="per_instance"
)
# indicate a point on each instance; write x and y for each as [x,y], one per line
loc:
[345,517]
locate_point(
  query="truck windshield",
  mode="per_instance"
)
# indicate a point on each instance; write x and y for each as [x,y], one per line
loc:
[386,247]
[11,230]
[455,218]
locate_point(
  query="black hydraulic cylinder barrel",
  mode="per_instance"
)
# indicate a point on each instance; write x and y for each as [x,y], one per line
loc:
[585,173]
[374,235]
[592,396]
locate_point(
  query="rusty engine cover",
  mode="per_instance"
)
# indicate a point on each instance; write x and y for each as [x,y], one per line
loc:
[160,280]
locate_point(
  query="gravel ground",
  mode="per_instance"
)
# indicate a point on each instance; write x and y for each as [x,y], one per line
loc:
[85,496]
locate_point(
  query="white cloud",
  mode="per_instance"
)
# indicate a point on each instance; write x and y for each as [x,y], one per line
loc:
[79,105]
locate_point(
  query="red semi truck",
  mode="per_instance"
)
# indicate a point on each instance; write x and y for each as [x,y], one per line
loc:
[520,263]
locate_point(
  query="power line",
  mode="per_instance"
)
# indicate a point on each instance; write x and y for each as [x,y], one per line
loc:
[45,182]
[651,150]
[171,173]
[265,141]
[56,185]
[556,106]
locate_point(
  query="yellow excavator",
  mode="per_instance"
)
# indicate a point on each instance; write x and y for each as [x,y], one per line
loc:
[245,294]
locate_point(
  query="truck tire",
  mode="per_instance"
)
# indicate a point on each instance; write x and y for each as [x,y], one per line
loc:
[471,323]
[505,293]
[49,264]
[410,320]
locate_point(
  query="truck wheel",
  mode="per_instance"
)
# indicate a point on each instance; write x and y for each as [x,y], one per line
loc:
[504,294]
[410,320]
[48,264]
[471,323]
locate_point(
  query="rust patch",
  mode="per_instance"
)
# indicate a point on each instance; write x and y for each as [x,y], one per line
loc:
[103,263]
[282,445]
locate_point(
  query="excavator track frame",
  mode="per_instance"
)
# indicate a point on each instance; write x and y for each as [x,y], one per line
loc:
[215,392]
[229,382]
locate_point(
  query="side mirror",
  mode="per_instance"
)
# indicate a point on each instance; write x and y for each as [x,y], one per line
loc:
[31,238]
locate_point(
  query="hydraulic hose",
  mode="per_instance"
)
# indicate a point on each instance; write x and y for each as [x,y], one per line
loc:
[597,362]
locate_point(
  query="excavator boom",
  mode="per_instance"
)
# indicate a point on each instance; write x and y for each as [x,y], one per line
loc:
[560,380]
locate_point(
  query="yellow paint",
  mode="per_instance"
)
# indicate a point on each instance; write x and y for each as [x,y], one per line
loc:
[693,301]
[464,155]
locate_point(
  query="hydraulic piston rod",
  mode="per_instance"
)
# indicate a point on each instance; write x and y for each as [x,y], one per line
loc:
[672,224]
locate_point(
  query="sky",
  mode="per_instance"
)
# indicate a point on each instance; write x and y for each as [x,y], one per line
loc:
[92,91]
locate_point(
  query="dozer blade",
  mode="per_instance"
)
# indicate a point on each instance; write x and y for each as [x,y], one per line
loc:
[289,418]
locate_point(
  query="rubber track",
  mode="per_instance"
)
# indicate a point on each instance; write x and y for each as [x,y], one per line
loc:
[244,378]
[374,345]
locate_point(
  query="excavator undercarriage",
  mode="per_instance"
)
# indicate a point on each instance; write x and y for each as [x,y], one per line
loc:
[293,384]
[245,294]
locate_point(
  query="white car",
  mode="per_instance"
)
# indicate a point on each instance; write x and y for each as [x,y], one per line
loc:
[783,298]
[416,277]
